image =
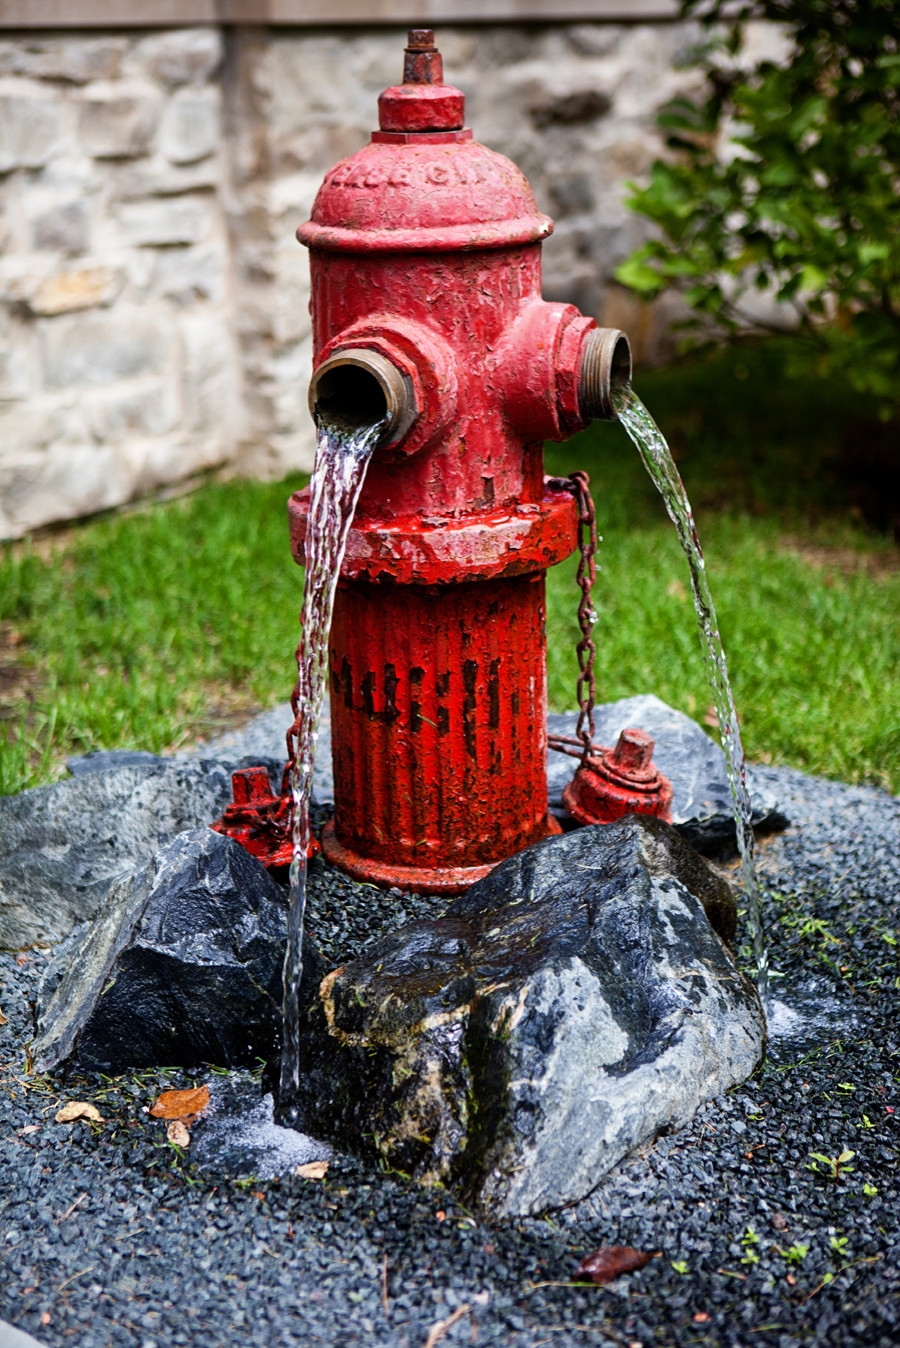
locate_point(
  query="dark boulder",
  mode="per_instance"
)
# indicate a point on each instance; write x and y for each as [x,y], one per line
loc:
[182,966]
[566,1009]
[62,846]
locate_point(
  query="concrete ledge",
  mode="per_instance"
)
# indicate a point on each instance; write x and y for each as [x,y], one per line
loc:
[63,14]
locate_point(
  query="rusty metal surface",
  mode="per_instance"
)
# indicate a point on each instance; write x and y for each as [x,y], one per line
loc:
[438,706]
[610,783]
[258,819]
[413,550]
[420,879]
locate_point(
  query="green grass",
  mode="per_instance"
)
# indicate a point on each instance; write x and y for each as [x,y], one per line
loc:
[147,629]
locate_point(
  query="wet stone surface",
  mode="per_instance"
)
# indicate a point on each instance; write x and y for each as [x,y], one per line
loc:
[111,1236]
[563,1011]
[181,967]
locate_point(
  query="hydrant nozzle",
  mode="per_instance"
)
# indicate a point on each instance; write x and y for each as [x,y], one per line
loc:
[605,367]
[357,387]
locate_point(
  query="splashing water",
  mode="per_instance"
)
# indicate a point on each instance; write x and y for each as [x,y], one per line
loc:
[659,464]
[342,457]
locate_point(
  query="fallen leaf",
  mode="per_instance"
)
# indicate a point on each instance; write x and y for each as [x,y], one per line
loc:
[609,1261]
[23,959]
[701,1318]
[710,717]
[32,1128]
[312,1170]
[177,1132]
[3,1020]
[45,1318]
[79,1109]
[180,1104]
[790,1280]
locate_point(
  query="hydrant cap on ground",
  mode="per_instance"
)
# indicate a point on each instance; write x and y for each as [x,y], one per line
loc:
[423,183]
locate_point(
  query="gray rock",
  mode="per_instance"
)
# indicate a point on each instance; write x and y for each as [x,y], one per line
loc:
[96,349]
[190,128]
[182,966]
[103,760]
[62,846]
[569,1007]
[693,763]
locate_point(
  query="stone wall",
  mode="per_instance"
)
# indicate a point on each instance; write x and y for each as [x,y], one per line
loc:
[153,301]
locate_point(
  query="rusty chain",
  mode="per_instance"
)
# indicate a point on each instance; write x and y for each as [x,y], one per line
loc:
[578,484]
[291,740]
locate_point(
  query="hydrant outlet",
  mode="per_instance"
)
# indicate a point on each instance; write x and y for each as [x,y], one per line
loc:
[605,367]
[357,388]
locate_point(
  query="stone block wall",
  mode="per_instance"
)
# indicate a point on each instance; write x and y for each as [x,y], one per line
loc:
[153,301]
[120,368]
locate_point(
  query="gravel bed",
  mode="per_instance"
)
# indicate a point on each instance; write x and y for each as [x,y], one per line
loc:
[110,1235]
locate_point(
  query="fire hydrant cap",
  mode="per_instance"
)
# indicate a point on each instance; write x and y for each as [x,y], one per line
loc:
[423,184]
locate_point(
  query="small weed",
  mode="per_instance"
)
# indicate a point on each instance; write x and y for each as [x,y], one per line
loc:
[831,1166]
[680,1265]
[869,1190]
[748,1240]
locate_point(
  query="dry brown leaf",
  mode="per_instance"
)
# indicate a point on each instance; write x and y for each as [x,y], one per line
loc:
[177,1132]
[79,1109]
[3,1020]
[312,1170]
[180,1104]
[610,1261]
[31,1128]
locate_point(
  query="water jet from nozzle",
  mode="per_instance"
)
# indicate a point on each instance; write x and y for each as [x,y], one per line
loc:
[358,388]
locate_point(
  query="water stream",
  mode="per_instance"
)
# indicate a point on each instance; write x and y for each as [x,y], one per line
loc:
[342,457]
[659,464]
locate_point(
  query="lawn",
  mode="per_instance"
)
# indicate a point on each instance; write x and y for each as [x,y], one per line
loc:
[150,628]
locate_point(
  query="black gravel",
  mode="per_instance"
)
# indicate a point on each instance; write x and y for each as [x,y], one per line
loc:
[110,1235]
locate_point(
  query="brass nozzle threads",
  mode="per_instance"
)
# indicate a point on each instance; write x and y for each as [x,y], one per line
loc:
[605,366]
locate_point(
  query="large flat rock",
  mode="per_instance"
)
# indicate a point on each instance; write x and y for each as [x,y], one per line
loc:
[565,1010]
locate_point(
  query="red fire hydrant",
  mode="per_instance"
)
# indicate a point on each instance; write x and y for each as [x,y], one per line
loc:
[426,303]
